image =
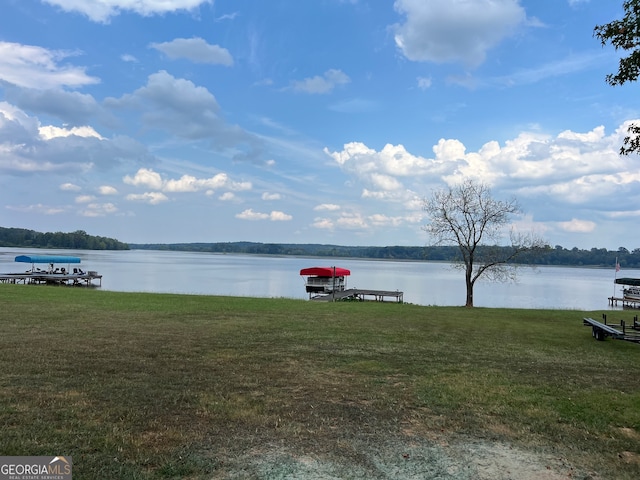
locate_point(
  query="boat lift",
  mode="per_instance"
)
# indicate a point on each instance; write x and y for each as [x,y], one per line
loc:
[325,280]
[329,284]
[51,275]
[628,301]
[601,330]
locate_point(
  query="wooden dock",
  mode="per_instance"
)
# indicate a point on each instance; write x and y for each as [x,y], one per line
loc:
[361,295]
[86,279]
[625,302]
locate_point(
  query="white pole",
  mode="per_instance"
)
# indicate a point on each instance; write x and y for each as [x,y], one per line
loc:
[334,284]
[615,277]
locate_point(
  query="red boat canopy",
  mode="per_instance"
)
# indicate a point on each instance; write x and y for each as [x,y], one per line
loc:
[325,271]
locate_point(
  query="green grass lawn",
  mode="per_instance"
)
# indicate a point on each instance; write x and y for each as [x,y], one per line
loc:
[177,386]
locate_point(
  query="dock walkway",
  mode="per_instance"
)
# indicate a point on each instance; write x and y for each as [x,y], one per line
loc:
[361,295]
[626,302]
[43,278]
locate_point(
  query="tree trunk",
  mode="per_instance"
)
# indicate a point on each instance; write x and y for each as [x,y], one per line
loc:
[469,283]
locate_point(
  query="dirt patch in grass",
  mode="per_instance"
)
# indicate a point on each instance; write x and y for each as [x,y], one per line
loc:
[403,459]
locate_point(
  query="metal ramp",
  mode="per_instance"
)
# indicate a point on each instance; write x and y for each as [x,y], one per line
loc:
[361,295]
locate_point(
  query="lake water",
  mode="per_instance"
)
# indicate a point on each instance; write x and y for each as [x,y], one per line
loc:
[423,283]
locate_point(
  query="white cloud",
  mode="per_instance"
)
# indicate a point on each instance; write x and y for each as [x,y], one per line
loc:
[227,16]
[152,198]
[249,214]
[85,198]
[327,206]
[624,214]
[554,172]
[455,30]
[189,183]
[226,196]
[378,195]
[271,196]
[323,223]
[385,182]
[382,173]
[414,216]
[353,150]
[589,188]
[529,157]
[36,67]
[103,10]
[107,190]
[99,210]
[148,178]
[594,136]
[321,84]
[195,49]
[37,208]
[381,220]
[578,226]
[49,131]
[352,221]
[414,204]
[391,160]
[278,216]
[275,216]
[70,187]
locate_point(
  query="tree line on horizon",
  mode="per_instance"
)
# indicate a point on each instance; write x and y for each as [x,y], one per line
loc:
[558,255]
[80,240]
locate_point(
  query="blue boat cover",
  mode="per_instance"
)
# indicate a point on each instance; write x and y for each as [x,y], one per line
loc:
[47,259]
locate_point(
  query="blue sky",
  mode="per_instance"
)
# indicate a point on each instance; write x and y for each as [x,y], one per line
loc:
[318,121]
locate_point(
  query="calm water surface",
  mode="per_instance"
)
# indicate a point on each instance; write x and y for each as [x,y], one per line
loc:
[423,283]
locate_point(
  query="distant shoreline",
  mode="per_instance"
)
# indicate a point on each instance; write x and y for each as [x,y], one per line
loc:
[557,256]
[548,255]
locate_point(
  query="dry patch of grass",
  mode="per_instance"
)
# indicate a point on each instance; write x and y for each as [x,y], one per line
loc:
[177,386]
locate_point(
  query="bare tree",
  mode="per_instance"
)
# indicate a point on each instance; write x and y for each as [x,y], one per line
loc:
[468,216]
